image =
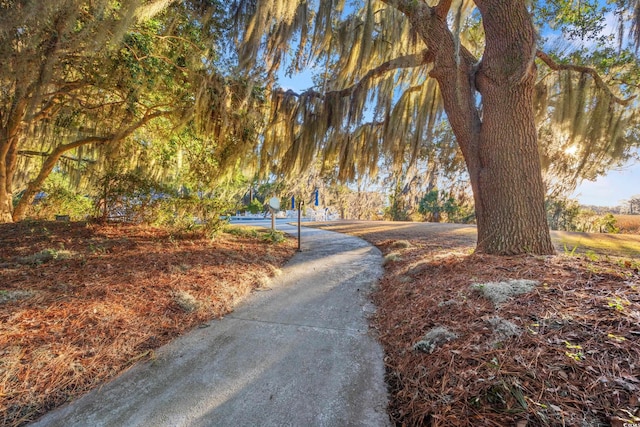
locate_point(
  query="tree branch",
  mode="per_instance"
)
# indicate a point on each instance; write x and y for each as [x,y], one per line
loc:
[113,137]
[416,9]
[584,70]
[442,9]
[66,87]
[407,61]
[54,99]
[52,158]
[45,154]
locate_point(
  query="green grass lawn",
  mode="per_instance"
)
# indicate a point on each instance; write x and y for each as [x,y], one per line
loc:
[621,245]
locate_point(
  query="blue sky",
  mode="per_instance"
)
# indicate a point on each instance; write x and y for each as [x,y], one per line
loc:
[619,184]
[611,189]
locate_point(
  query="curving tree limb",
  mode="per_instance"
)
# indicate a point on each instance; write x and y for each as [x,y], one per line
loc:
[407,61]
[584,70]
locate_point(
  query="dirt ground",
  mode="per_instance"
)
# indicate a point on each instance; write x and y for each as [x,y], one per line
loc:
[79,303]
[565,353]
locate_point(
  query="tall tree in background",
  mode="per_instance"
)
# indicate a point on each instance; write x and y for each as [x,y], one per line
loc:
[54,54]
[79,75]
[410,60]
[437,164]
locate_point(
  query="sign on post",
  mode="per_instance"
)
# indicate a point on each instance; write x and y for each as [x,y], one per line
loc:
[274,203]
[274,206]
[300,205]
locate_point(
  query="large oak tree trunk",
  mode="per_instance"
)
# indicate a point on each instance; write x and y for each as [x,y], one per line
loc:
[511,215]
[499,140]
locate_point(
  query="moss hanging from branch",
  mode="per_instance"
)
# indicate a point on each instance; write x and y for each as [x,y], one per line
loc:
[364,80]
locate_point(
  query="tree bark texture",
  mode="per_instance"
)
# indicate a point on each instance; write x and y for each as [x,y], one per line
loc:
[5,196]
[498,139]
[9,137]
[511,217]
[34,186]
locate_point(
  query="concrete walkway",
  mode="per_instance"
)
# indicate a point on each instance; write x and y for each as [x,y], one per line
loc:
[298,354]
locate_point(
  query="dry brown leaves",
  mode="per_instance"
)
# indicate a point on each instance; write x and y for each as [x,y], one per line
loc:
[576,361]
[103,297]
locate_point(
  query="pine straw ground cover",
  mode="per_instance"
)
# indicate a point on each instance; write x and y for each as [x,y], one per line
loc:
[80,303]
[565,353]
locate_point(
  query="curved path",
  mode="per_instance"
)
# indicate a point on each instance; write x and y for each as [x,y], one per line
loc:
[297,354]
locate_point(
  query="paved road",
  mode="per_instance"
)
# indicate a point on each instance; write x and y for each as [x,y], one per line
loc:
[299,354]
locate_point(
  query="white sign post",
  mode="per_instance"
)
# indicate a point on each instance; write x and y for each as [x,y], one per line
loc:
[274,206]
[300,205]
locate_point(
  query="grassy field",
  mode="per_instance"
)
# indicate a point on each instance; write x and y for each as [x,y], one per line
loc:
[628,224]
[624,244]
[618,245]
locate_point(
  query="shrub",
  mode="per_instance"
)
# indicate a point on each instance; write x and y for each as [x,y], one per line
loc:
[436,206]
[132,197]
[607,224]
[187,302]
[255,207]
[249,232]
[128,197]
[391,257]
[190,213]
[273,236]
[562,213]
[58,199]
[401,244]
